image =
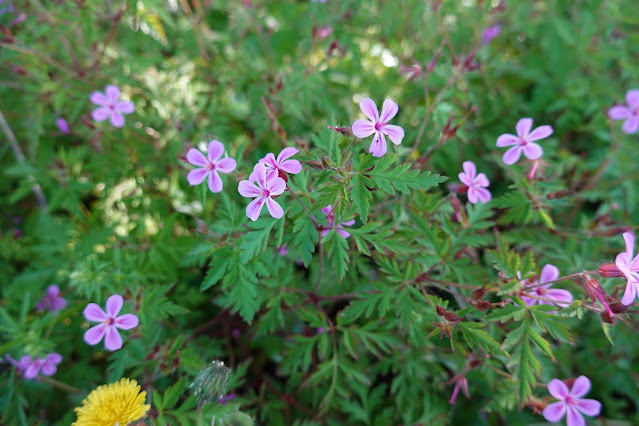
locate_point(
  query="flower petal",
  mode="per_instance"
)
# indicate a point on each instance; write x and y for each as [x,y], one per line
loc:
[343,233]
[395,133]
[197,176]
[507,140]
[630,293]
[484,195]
[215,151]
[54,357]
[369,108]
[378,146]
[127,321]
[558,389]
[291,166]
[581,387]
[113,340]
[196,158]
[481,180]
[548,273]
[589,407]
[276,185]
[226,165]
[470,169]
[254,208]
[464,179]
[619,112]
[555,411]
[286,153]
[117,119]
[532,151]
[99,98]
[259,175]
[125,107]
[629,238]
[631,125]
[269,161]
[511,156]
[248,189]
[523,127]
[363,128]
[215,182]
[562,295]
[32,370]
[574,418]
[48,368]
[541,132]
[632,98]
[94,313]
[274,208]
[94,335]
[58,303]
[472,195]
[53,290]
[114,305]
[389,110]
[100,114]
[113,93]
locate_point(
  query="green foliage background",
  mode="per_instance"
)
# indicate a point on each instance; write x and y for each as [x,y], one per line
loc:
[336,331]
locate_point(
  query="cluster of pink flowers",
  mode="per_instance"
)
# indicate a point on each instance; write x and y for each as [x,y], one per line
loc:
[31,368]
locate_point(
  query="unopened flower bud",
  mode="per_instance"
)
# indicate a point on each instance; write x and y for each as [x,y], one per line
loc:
[440,311]
[210,383]
[479,293]
[618,307]
[610,270]
[346,131]
[327,162]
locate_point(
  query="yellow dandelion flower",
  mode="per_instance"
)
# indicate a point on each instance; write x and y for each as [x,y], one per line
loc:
[114,404]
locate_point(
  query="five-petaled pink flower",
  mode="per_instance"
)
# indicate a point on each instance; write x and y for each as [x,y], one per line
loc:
[378,125]
[268,186]
[282,164]
[571,402]
[331,223]
[109,323]
[110,106]
[52,300]
[629,113]
[629,266]
[548,273]
[211,165]
[30,368]
[477,183]
[524,141]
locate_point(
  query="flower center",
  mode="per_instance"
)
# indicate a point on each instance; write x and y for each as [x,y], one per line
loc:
[540,291]
[110,321]
[265,193]
[211,166]
[378,126]
[635,112]
[523,142]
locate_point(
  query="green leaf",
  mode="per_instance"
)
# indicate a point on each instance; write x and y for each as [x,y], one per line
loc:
[255,242]
[337,249]
[477,338]
[361,195]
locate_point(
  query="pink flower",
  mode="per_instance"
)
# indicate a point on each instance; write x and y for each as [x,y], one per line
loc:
[211,165]
[524,141]
[330,223]
[263,187]
[30,368]
[110,322]
[476,183]
[571,402]
[629,266]
[283,251]
[629,113]
[63,126]
[282,164]
[110,106]
[378,125]
[548,273]
[52,300]
[490,33]
[460,383]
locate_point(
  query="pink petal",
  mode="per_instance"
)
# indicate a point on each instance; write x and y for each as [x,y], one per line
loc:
[378,146]
[589,407]
[276,186]
[464,179]
[273,208]
[619,112]
[481,180]
[555,411]
[548,273]
[226,165]
[368,107]
[254,208]
[248,189]
[94,313]
[343,233]
[55,358]
[113,340]
[363,128]
[395,133]
[125,107]
[561,295]
[507,140]
[53,290]
[574,418]
[114,305]
[631,125]
[98,98]
[58,303]
[48,368]
[259,175]
[629,238]
[291,166]
[197,176]
[127,321]
[326,210]
[470,169]
[215,151]
[32,370]
[630,293]
[472,195]
[117,119]
[632,98]
[541,132]
[511,156]
[523,127]
[558,389]
[484,195]
[581,387]
[532,151]
[389,110]
[196,158]
[94,335]
[269,161]
[348,223]
[100,114]
[286,153]
[215,182]
[113,93]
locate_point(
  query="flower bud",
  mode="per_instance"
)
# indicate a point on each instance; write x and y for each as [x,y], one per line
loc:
[317,165]
[346,131]
[210,383]
[610,270]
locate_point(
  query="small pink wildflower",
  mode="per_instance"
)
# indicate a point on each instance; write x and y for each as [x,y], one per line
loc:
[31,368]
[629,266]
[110,322]
[378,125]
[63,126]
[211,165]
[548,273]
[282,164]
[628,113]
[477,183]
[283,251]
[263,187]
[490,33]
[330,223]
[52,300]
[571,402]
[460,383]
[110,106]
[524,141]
